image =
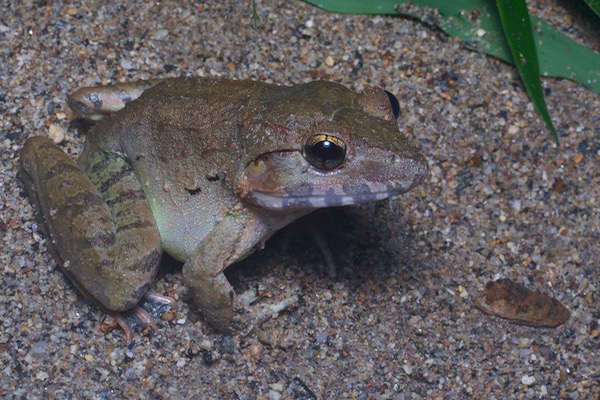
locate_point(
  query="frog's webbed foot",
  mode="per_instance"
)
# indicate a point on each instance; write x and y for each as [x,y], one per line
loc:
[313,226]
[120,320]
[139,314]
[258,316]
[320,239]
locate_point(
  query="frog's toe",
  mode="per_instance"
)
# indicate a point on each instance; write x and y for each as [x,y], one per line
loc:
[260,315]
[121,320]
[267,312]
[160,299]
[118,320]
[137,316]
[319,226]
[145,318]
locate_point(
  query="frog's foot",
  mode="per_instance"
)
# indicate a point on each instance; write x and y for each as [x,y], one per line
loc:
[139,316]
[120,320]
[319,226]
[320,239]
[259,316]
[160,299]
[94,103]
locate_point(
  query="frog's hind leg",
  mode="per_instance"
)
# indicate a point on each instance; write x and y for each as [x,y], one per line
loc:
[107,241]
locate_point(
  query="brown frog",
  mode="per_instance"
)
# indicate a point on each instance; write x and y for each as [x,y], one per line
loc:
[207,170]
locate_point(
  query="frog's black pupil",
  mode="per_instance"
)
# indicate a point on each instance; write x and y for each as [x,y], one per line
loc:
[326,150]
[325,154]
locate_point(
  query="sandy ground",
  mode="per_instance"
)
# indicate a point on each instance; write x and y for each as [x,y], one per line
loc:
[397,321]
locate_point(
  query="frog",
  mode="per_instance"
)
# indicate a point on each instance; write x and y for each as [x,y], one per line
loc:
[206,170]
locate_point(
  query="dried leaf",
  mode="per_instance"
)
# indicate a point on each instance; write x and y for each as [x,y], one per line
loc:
[515,303]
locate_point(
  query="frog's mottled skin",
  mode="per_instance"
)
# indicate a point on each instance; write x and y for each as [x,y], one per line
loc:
[207,170]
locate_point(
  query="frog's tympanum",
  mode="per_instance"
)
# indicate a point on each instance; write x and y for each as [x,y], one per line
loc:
[207,170]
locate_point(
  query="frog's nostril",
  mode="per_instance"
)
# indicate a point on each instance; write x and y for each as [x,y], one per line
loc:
[324,151]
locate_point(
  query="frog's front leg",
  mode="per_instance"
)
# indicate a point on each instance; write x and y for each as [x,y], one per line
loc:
[106,241]
[237,235]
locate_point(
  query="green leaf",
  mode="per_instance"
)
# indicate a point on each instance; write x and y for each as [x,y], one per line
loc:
[479,25]
[255,22]
[519,34]
[594,5]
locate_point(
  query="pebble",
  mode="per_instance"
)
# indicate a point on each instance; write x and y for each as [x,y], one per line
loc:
[527,380]
[329,61]
[56,133]
[160,34]
[40,349]
[273,395]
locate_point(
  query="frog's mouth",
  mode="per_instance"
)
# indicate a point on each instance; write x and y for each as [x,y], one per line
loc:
[282,181]
[289,201]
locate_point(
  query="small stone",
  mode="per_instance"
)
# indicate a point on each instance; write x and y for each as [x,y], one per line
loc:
[160,34]
[42,375]
[254,351]
[40,349]
[56,133]
[273,395]
[516,205]
[524,343]
[330,61]
[126,64]
[527,380]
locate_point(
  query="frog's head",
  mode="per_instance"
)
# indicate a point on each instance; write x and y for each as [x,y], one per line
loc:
[346,149]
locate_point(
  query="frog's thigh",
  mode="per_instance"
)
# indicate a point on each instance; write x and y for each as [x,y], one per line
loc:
[110,257]
[235,237]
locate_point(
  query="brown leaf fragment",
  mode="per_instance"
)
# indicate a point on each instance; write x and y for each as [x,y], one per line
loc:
[515,303]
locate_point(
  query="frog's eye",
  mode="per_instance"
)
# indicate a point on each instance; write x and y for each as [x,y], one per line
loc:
[324,151]
[394,103]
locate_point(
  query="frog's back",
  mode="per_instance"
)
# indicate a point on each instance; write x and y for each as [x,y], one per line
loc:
[182,143]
